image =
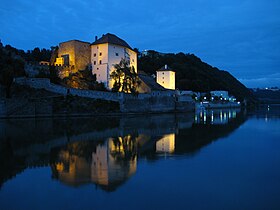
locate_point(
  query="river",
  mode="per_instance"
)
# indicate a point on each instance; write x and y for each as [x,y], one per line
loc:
[215,159]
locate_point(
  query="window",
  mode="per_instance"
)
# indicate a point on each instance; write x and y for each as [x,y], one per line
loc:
[117,54]
[94,55]
[100,62]
[162,72]
[94,62]
[162,77]
[132,60]
[97,68]
[100,53]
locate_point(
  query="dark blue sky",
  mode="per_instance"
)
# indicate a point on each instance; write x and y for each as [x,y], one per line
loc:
[240,36]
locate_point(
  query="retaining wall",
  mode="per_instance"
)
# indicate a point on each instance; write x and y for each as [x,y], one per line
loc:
[157,101]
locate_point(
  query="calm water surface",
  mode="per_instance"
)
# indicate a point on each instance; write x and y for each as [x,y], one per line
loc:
[219,159]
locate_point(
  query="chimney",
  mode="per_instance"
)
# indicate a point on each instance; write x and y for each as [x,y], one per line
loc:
[165,66]
[95,38]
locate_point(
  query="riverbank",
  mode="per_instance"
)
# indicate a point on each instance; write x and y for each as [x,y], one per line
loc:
[210,105]
[26,102]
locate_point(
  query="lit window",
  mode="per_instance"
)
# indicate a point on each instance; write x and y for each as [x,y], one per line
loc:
[94,55]
[117,54]
[100,54]
[100,62]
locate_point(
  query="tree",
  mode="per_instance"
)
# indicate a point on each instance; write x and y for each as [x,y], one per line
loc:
[10,66]
[125,77]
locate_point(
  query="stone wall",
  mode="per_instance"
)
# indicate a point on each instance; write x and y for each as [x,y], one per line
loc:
[157,101]
[78,51]
[32,70]
[42,83]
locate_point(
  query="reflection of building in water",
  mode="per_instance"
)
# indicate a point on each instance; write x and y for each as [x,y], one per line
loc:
[72,169]
[111,164]
[215,116]
[166,144]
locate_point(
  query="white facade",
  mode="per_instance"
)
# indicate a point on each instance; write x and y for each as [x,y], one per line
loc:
[166,78]
[103,58]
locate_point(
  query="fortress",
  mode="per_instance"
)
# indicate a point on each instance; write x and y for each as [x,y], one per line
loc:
[101,56]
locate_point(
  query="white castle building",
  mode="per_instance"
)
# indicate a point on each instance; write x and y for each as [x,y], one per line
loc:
[105,53]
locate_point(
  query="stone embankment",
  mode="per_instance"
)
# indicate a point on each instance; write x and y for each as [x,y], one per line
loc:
[155,102]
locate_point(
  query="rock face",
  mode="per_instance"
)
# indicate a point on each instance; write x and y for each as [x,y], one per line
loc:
[75,54]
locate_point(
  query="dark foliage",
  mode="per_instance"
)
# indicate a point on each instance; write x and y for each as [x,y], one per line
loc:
[32,56]
[267,96]
[11,65]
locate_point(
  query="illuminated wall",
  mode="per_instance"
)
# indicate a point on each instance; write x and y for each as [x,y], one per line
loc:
[59,61]
[74,53]
[166,79]
[105,56]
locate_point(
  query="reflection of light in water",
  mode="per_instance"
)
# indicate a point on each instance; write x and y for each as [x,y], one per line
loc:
[215,116]
[233,114]
[166,144]
[195,118]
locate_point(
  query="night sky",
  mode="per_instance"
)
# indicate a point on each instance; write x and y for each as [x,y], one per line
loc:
[240,36]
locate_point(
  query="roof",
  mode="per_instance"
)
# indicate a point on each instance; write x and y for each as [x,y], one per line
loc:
[150,81]
[75,40]
[111,39]
[165,68]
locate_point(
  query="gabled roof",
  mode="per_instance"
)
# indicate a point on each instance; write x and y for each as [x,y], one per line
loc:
[150,81]
[165,68]
[111,39]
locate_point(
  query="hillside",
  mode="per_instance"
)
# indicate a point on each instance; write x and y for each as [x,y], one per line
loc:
[267,96]
[191,72]
[194,74]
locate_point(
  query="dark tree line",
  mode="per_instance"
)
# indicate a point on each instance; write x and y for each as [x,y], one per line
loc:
[34,55]
[11,65]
